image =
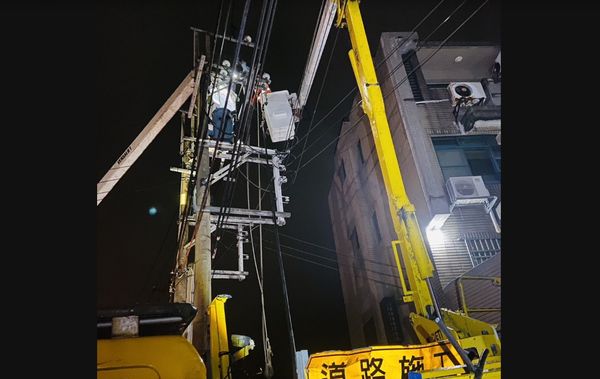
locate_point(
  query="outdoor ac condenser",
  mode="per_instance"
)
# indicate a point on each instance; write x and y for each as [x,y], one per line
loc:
[467,190]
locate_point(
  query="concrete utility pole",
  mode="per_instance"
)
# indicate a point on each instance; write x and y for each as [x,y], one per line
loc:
[194,286]
[202,265]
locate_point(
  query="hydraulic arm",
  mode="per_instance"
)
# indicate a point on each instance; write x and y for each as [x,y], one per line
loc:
[414,253]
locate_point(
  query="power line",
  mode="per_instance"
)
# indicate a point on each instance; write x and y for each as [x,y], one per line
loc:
[398,46]
[421,43]
[335,269]
[235,153]
[158,255]
[356,106]
[306,242]
[222,129]
[439,47]
[286,301]
[328,249]
[312,119]
[199,148]
[304,259]
[392,71]
[264,35]
[360,267]
[396,86]
[346,264]
[259,279]
[251,182]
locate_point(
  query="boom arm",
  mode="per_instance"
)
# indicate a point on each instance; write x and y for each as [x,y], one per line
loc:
[414,254]
[145,138]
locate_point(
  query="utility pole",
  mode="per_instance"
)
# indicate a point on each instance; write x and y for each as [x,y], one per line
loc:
[194,285]
[202,264]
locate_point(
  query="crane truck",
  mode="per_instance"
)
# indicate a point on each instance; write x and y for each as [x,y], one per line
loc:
[451,344]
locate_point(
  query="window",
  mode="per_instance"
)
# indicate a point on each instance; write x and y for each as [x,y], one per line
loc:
[376,227]
[469,156]
[391,320]
[358,266]
[360,152]
[342,172]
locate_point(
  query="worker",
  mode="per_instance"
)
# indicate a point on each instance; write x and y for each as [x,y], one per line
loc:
[262,86]
[217,121]
[222,116]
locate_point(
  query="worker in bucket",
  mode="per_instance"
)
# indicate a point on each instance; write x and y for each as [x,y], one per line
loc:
[223,115]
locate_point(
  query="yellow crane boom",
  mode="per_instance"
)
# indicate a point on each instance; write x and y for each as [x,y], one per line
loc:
[412,247]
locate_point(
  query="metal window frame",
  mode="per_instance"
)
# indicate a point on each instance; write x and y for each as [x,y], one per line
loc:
[462,148]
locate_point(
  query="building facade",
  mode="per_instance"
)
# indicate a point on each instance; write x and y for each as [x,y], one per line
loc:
[445,122]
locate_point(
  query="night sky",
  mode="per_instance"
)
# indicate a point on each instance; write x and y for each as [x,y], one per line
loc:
[145,50]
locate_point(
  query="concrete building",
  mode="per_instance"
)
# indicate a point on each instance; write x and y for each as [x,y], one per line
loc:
[437,136]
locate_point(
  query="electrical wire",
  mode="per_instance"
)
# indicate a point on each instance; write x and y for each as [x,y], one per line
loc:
[421,44]
[230,189]
[342,263]
[306,242]
[235,155]
[251,182]
[360,267]
[337,253]
[222,129]
[366,277]
[259,279]
[197,152]
[183,222]
[439,47]
[312,44]
[380,64]
[312,119]
[156,259]
[197,148]
[396,86]
[353,90]
[286,302]
[311,127]
[244,117]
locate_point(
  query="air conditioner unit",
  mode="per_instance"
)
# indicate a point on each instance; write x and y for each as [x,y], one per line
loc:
[467,93]
[466,190]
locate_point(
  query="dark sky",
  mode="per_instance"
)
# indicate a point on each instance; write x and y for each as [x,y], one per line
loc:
[145,50]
